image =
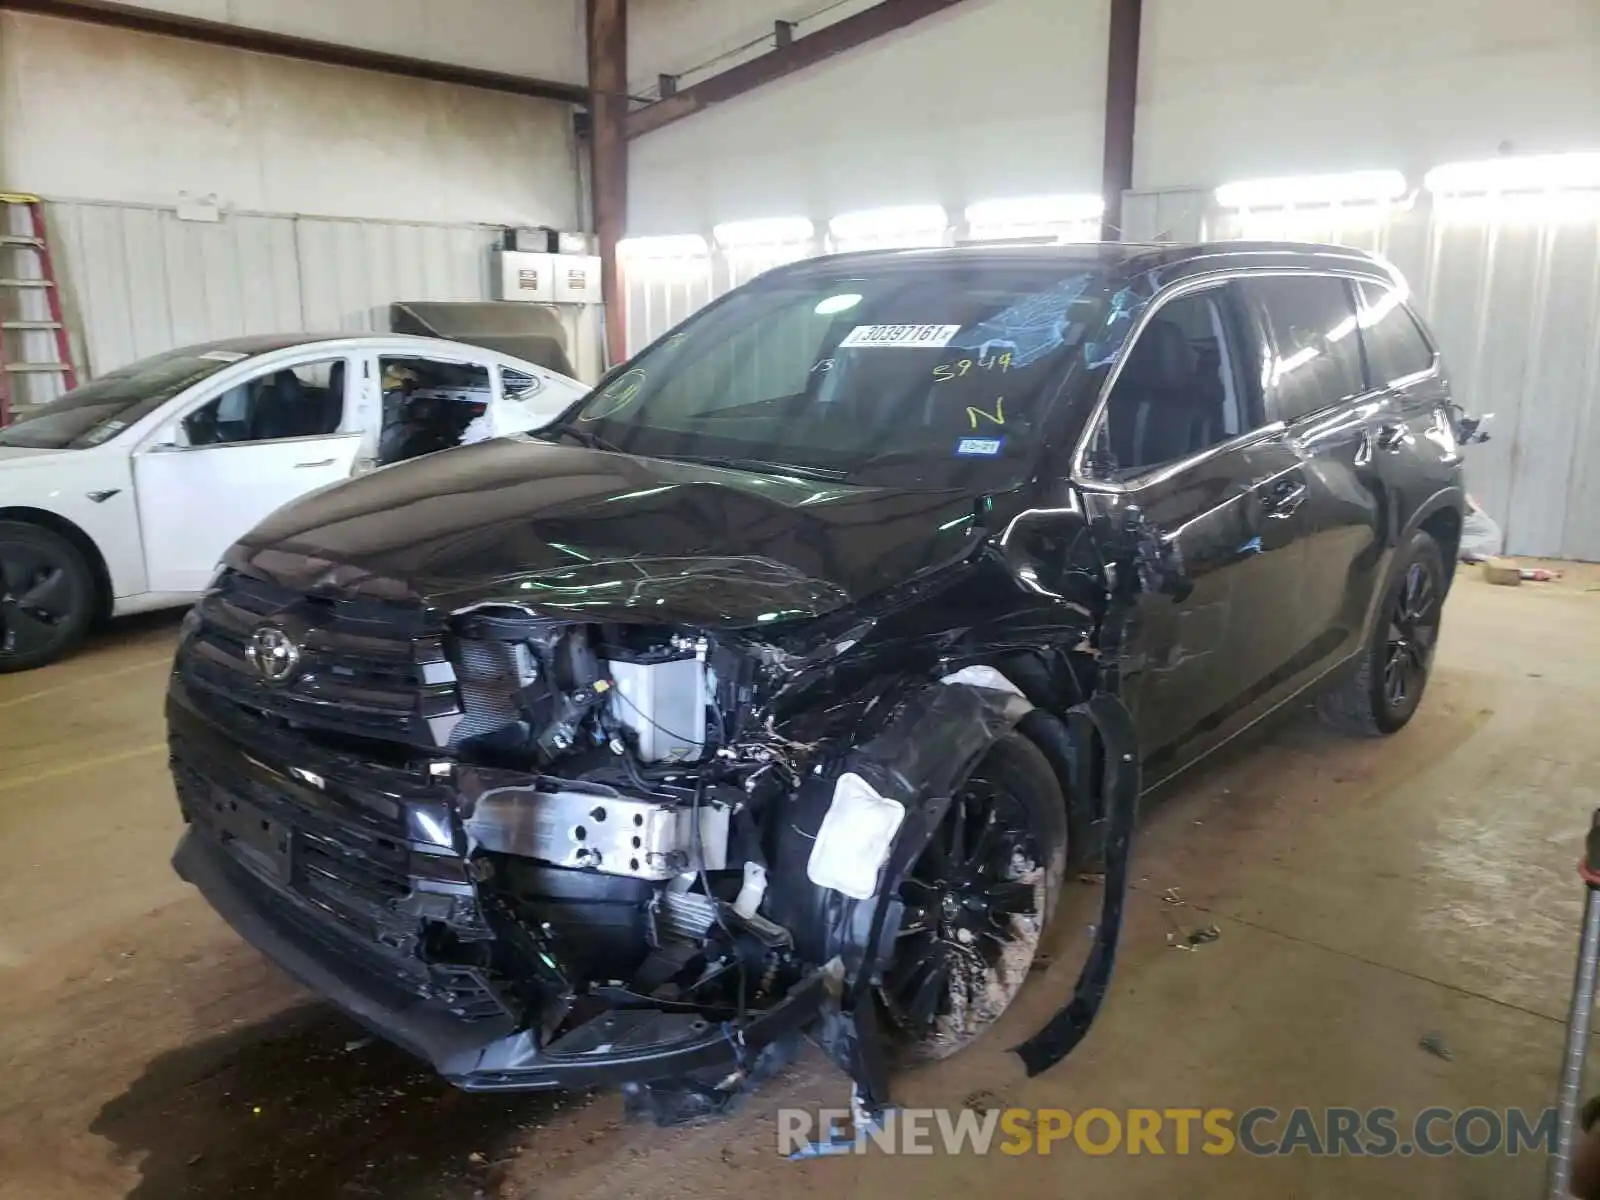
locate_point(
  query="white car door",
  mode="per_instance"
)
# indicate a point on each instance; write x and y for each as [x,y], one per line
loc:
[239,456]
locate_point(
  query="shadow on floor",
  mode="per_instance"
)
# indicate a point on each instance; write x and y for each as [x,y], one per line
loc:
[118,630]
[305,1105]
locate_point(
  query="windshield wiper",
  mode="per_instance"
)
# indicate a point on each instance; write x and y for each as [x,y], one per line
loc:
[583,437]
[762,466]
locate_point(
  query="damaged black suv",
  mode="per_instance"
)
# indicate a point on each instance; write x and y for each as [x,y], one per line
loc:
[775,688]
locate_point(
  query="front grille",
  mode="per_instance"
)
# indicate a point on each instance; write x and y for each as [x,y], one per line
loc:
[367,668]
[337,868]
[352,864]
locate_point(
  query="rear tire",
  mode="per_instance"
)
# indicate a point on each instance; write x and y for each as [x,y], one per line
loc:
[977,903]
[1382,694]
[47,596]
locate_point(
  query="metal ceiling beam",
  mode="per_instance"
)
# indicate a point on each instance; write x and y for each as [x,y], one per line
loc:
[238,37]
[607,22]
[798,54]
[1122,102]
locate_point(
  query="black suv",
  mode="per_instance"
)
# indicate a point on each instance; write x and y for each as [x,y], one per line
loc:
[776,686]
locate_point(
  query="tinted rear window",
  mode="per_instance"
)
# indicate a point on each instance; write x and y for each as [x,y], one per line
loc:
[1316,353]
[1395,345]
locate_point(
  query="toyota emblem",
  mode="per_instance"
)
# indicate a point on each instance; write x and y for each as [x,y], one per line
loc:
[273,653]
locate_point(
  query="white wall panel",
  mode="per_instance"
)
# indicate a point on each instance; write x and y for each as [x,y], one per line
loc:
[1232,89]
[539,38]
[992,98]
[353,270]
[139,280]
[103,114]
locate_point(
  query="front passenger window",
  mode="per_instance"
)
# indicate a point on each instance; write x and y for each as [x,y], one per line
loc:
[1180,390]
[306,400]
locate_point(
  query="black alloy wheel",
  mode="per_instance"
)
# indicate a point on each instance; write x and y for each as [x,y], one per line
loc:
[976,902]
[47,596]
[1413,630]
[1380,694]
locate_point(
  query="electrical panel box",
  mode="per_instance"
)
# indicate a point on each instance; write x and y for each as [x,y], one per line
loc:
[526,277]
[577,279]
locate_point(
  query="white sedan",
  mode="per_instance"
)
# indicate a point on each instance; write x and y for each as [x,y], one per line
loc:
[122,495]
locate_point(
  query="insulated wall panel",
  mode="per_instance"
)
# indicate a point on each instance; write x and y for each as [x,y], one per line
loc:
[139,280]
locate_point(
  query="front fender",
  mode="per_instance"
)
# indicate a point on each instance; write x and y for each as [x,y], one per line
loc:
[1451,497]
[919,756]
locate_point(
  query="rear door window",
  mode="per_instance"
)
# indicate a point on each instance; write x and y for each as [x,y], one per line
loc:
[1316,353]
[430,405]
[1395,345]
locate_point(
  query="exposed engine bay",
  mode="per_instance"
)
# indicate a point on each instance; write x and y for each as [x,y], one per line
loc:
[638,846]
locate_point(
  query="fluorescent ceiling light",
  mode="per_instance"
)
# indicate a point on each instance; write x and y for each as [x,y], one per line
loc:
[1036,210]
[888,222]
[1351,187]
[677,245]
[843,302]
[764,231]
[1540,173]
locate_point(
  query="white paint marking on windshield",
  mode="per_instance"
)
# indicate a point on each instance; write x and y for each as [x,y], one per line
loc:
[899,335]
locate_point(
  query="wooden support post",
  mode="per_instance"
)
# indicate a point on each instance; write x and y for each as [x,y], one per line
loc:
[608,111]
[1122,99]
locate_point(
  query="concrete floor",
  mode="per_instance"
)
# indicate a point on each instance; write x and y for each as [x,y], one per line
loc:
[1367,894]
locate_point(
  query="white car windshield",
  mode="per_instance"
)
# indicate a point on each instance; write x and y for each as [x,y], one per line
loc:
[98,411]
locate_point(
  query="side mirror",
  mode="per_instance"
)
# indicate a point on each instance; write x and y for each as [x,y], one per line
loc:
[171,438]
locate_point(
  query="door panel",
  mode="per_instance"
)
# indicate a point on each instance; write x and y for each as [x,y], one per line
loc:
[1185,441]
[1198,655]
[1322,388]
[250,450]
[194,503]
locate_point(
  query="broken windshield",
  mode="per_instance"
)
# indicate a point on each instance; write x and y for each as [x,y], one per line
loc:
[943,371]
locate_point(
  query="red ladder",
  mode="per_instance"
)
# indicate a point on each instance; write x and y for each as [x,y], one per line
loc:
[12,319]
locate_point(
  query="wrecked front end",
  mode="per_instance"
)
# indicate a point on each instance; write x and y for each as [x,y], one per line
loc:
[566,849]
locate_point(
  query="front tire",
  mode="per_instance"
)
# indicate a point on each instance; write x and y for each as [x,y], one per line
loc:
[976,904]
[47,596]
[1383,692]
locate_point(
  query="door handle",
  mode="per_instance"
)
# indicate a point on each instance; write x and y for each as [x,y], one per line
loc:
[1391,437]
[307,466]
[1281,499]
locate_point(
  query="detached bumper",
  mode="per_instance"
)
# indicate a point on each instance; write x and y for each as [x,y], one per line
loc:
[624,1045]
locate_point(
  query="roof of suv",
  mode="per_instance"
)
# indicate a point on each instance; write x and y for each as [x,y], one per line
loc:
[1128,258]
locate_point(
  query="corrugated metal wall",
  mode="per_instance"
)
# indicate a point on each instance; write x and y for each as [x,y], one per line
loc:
[139,280]
[1511,289]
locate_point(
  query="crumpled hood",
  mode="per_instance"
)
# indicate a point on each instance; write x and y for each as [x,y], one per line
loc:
[607,537]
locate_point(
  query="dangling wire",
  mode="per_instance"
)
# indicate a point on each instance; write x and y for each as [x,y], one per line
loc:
[705,886]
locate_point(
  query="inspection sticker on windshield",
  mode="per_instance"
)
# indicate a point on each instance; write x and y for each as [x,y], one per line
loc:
[980,447]
[227,356]
[900,335]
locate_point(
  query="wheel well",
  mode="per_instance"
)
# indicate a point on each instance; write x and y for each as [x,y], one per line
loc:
[1445,528]
[80,539]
